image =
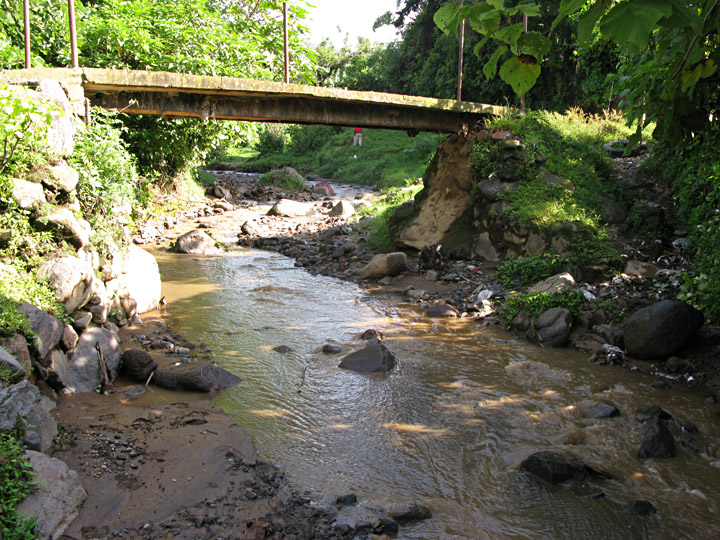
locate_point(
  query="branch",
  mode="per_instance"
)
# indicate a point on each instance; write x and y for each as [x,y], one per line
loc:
[694,40]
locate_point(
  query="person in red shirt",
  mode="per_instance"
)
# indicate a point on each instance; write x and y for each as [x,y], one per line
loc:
[357,139]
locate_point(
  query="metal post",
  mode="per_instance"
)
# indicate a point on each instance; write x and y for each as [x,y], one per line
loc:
[287,53]
[460,60]
[73,34]
[525,23]
[26,16]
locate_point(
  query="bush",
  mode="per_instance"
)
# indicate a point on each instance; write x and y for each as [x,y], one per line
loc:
[271,139]
[16,481]
[110,190]
[526,271]
[282,179]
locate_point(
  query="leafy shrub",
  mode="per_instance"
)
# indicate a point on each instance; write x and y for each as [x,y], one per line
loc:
[535,303]
[16,481]
[525,271]
[271,139]
[110,191]
[24,124]
[282,179]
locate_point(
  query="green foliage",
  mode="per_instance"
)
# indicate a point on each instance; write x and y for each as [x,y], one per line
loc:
[386,159]
[536,303]
[18,285]
[23,130]
[693,172]
[282,179]
[16,481]
[271,139]
[7,374]
[381,210]
[526,271]
[110,191]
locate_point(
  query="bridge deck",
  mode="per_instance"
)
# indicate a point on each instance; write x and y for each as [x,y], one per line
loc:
[180,95]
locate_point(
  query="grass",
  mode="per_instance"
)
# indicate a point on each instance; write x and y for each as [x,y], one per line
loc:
[385,160]
[379,237]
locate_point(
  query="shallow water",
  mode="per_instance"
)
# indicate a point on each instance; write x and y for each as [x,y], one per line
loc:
[450,425]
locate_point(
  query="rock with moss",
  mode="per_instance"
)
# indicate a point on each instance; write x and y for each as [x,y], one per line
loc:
[71,279]
[59,177]
[28,195]
[196,243]
[385,264]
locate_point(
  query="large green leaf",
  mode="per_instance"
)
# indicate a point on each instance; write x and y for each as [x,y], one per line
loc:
[567,7]
[490,67]
[520,72]
[533,43]
[587,21]
[447,19]
[634,21]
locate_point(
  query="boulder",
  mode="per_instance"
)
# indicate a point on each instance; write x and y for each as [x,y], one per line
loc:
[374,358]
[195,376]
[65,221]
[385,264]
[552,328]
[321,188]
[57,496]
[81,371]
[28,195]
[17,346]
[10,363]
[71,279]
[442,309]
[57,177]
[140,279]
[289,208]
[69,338]
[411,512]
[640,269]
[254,227]
[660,330]
[493,189]
[614,335]
[196,243]
[47,328]
[551,467]
[138,364]
[657,441]
[603,410]
[23,400]
[61,135]
[554,284]
[639,507]
[342,209]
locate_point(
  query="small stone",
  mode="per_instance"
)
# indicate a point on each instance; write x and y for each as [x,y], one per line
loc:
[346,500]
[331,349]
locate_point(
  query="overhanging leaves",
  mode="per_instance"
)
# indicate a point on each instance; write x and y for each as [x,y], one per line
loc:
[520,72]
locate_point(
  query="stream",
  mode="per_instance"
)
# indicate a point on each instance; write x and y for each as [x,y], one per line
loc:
[449,426]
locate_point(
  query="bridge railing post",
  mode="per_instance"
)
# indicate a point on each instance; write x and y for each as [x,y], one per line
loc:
[26,20]
[285,43]
[73,34]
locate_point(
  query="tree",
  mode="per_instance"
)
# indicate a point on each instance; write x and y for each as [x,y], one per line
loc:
[671,51]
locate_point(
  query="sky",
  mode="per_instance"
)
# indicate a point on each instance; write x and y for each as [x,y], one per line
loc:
[355,17]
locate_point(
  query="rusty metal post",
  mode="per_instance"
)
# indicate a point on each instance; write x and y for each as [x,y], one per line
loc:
[460,60]
[287,52]
[26,17]
[73,34]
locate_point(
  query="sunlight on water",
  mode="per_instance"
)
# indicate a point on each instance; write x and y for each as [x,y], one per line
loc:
[452,422]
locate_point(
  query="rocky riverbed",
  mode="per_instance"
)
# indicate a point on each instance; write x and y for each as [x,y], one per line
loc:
[159,465]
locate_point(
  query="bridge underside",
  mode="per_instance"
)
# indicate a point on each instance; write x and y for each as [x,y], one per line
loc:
[179,95]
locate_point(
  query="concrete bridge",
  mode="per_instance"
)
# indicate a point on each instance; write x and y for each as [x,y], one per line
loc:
[180,95]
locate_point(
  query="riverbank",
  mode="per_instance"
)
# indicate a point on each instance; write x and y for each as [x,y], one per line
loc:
[228,498]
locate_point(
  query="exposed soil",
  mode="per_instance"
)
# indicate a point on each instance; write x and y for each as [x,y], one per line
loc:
[179,468]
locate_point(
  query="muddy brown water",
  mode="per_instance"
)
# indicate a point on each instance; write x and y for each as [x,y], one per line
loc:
[450,425]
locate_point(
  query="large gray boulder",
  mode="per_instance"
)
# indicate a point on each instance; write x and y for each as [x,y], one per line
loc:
[660,330]
[196,243]
[385,264]
[23,400]
[138,364]
[552,327]
[374,358]
[81,371]
[290,208]
[48,329]
[28,195]
[61,135]
[71,279]
[57,496]
[195,376]
[140,279]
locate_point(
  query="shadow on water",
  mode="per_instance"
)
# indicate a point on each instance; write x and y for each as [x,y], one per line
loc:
[449,426]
